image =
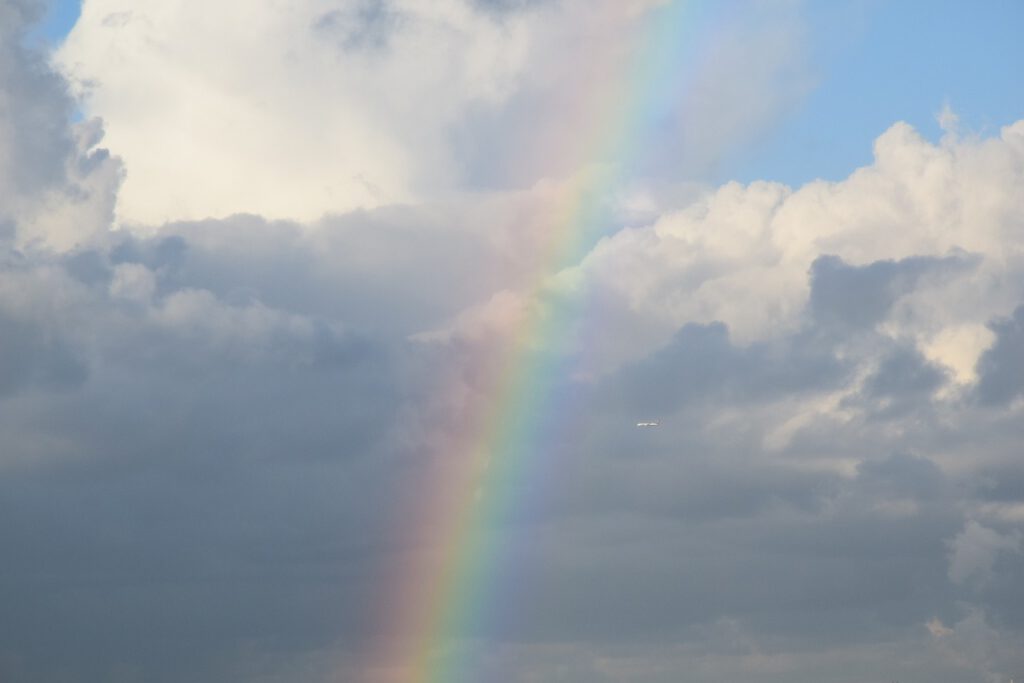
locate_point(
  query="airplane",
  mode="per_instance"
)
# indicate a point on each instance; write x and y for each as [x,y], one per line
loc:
[646,424]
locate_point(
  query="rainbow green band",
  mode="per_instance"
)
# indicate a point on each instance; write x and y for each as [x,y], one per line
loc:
[446,594]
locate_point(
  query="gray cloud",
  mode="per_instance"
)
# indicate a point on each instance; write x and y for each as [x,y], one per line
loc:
[210,435]
[973,552]
[31,355]
[904,372]
[701,364]
[861,296]
[505,6]
[365,26]
[34,136]
[1001,368]
[198,493]
[224,478]
[56,186]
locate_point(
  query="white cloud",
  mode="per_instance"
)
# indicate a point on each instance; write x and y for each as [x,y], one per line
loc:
[741,254]
[293,110]
[271,108]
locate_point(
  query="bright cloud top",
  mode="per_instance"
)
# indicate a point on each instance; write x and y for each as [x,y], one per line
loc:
[299,109]
[296,110]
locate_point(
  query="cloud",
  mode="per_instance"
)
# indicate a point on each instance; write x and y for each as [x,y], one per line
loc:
[325,107]
[1001,368]
[30,356]
[856,297]
[904,244]
[292,113]
[34,139]
[366,26]
[973,552]
[734,74]
[56,185]
[212,430]
[975,646]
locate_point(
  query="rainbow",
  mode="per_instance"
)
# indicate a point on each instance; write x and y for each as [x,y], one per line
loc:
[451,588]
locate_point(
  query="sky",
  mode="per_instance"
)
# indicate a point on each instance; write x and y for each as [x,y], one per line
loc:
[326,328]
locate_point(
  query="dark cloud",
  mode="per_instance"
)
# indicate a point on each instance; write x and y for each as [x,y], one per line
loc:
[33,355]
[506,6]
[857,297]
[88,266]
[1002,484]
[902,372]
[903,382]
[222,475]
[904,476]
[200,491]
[225,478]
[1001,368]
[701,364]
